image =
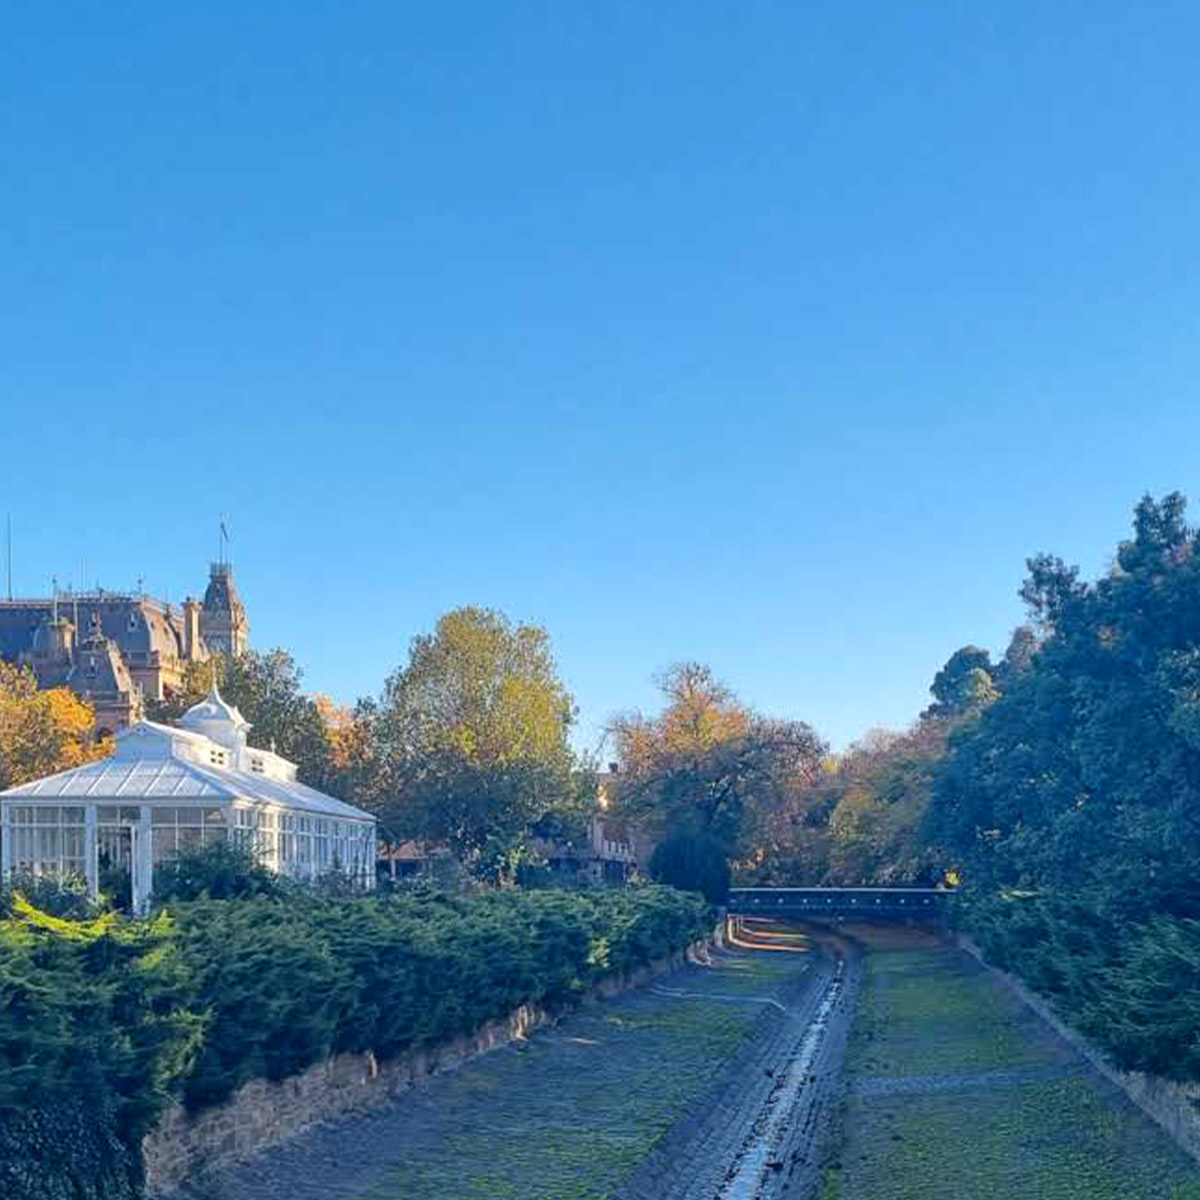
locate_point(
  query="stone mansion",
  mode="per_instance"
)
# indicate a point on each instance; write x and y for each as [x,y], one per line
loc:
[116,651]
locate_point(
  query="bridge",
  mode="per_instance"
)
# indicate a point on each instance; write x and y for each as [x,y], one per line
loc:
[849,903]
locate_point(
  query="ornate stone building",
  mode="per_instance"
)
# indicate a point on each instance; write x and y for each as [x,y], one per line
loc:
[116,651]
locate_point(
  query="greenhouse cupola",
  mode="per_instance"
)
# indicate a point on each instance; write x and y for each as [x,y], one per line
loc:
[217,720]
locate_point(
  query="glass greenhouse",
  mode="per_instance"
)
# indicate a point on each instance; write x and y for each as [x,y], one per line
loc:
[166,789]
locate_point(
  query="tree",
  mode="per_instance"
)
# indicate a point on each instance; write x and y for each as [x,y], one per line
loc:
[1087,770]
[1073,802]
[709,769]
[861,820]
[964,685]
[42,733]
[471,738]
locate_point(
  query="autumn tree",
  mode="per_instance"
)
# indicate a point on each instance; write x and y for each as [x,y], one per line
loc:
[864,818]
[42,732]
[470,738]
[712,779]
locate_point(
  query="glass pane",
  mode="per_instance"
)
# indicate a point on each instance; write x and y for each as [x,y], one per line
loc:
[45,816]
[163,843]
[213,816]
[162,816]
[115,847]
[191,816]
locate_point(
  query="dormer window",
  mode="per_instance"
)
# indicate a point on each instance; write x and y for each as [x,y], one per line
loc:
[217,757]
[256,765]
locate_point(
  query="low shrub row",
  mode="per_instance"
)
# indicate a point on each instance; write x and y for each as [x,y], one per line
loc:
[1129,981]
[212,993]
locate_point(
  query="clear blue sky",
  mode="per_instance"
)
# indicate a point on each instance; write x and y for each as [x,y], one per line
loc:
[771,334]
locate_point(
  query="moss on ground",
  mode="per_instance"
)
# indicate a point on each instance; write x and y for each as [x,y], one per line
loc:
[932,1012]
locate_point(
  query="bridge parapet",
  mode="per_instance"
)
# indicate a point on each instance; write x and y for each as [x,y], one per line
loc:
[915,904]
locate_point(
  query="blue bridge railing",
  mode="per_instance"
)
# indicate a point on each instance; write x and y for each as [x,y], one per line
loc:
[862,902]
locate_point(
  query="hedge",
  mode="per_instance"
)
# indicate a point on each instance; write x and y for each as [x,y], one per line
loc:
[1128,981]
[211,993]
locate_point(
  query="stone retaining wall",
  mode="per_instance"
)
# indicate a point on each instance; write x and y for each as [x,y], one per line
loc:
[1174,1106]
[262,1113]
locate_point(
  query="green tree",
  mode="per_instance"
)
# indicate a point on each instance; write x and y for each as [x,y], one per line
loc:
[1086,773]
[964,685]
[470,738]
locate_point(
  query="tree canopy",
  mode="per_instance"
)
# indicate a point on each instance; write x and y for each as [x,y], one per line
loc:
[708,769]
[470,739]
[1087,770]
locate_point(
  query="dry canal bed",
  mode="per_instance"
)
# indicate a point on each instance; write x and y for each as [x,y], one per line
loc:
[724,1082]
[569,1115]
[955,1091]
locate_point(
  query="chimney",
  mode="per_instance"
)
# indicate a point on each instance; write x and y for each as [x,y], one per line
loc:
[191,629]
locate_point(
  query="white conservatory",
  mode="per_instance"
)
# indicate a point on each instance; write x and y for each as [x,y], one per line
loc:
[167,788]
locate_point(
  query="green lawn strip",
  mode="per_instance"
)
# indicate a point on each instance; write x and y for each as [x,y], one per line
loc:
[569,1116]
[935,1013]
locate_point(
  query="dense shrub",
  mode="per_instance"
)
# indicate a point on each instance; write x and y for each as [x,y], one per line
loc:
[102,1006]
[1130,983]
[218,871]
[58,897]
[212,993]
[71,1149]
[284,985]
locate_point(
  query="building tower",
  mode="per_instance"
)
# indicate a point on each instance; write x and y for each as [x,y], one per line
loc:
[223,623]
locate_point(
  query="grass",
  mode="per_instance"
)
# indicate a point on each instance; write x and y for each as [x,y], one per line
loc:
[931,1011]
[571,1114]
